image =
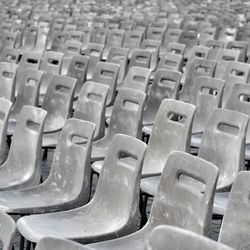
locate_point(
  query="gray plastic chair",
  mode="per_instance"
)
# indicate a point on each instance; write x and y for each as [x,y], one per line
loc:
[140,58]
[165,86]
[114,40]
[8,73]
[132,39]
[29,60]
[107,74]
[137,78]
[10,55]
[58,102]
[206,97]
[206,34]
[59,39]
[198,67]
[114,210]
[176,203]
[119,56]
[176,48]
[5,107]
[170,61]
[94,52]
[215,47]
[227,34]
[189,39]
[68,183]
[91,106]
[8,40]
[154,47]
[223,143]
[235,72]
[28,91]
[99,35]
[51,65]
[240,46]
[128,103]
[178,239]
[22,168]
[171,36]
[234,229]
[223,57]
[7,231]
[29,38]
[78,69]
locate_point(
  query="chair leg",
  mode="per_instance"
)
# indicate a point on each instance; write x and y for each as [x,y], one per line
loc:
[45,154]
[33,246]
[143,209]
[21,242]
[28,245]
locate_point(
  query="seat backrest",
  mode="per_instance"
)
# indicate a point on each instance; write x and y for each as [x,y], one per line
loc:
[234,229]
[238,100]
[5,106]
[87,32]
[10,55]
[25,150]
[140,58]
[91,106]
[78,69]
[75,35]
[241,46]
[227,34]
[176,48]
[58,101]
[51,62]
[165,86]
[29,37]
[225,56]
[206,97]
[215,47]
[178,202]
[7,231]
[132,39]
[190,39]
[115,38]
[9,40]
[206,34]
[129,103]
[155,33]
[176,239]
[99,35]
[171,131]
[137,78]
[72,48]
[198,67]
[70,169]
[170,61]
[59,39]
[119,56]
[223,143]
[235,72]
[94,52]
[121,197]
[107,73]
[8,73]
[171,36]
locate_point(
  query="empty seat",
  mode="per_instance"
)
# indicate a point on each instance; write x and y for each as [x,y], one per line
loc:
[170,61]
[98,220]
[140,58]
[68,183]
[215,47]
[22,168]
[240,46]
[171,36]
[189,39]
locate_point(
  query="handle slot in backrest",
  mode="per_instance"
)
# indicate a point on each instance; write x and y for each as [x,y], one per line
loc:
[11,57]
[176,117]
[32,61]
[202,69]
[236,72]
[53,61]
[94,97]
[62,89]
[117,36]
[170,63]
[94,52]
[238,48]
[142,59]
[34,126]
[189,37]
[193,183]
[176,51]
[150,47]
[78,140]
[244,97]
[107,73]
[7,74]
[127,159]
[200,54]
[72,49]
[138,78]
[228,128]
[134,37]
[167,82]
[214,46]
[79,65]
[118,56]
[130,105]
[10,38]
[31,82]
[173,34]
[227,33]
[228,58]
[209,91]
